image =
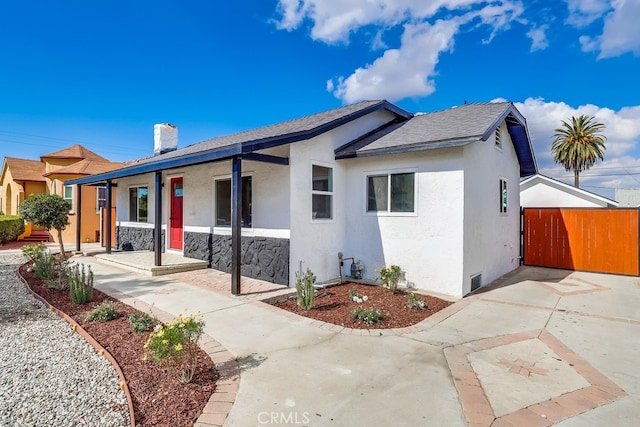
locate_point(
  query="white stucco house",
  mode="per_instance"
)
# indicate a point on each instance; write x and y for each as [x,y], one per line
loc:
[539,191]
[437,194]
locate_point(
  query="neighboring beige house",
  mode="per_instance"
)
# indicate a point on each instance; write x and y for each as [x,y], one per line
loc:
[22,178]
[539,191]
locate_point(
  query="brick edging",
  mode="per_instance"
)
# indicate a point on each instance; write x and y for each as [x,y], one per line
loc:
[224,395]
[430,321]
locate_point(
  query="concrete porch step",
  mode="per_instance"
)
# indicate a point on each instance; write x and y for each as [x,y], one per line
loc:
[142,262]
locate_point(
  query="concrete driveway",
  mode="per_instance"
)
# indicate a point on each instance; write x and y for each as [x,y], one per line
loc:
[537,347]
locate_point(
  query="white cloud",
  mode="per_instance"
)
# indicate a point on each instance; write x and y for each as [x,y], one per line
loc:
[623,139]
[584,12]
[403,72]
[538,37]
[333,21]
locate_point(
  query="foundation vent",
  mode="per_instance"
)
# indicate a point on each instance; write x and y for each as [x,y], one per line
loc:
[476,281]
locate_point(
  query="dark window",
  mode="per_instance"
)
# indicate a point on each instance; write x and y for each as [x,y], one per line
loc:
[223,202]
[322,192]
[138,204]
[101,198]
[503,196]
[391,192]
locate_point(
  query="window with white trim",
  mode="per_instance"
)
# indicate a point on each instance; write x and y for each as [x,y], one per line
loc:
[138,199]
[321,192]
[68,196]
[101,198]
[391,192]
[223,202]
[53,187]
[504,201]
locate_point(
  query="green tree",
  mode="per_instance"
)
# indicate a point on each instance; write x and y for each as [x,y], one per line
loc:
[577,145]
[47,210]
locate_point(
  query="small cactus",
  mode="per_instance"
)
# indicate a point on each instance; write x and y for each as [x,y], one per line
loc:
[305,289]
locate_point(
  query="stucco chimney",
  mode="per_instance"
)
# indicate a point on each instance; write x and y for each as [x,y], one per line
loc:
[165,138]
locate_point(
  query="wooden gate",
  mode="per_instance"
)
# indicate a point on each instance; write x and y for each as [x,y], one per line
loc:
[599,240]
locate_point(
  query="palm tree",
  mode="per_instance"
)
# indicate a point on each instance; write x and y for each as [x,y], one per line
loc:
[577,145]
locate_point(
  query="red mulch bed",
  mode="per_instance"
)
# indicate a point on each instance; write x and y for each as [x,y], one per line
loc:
[333,305]
[158,398]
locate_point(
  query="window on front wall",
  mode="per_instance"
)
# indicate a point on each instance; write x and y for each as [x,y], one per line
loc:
[138,204]
[101,198]
[394,192]
[53,187]
[503,196]
[223,202]
[68,195]
[321,192]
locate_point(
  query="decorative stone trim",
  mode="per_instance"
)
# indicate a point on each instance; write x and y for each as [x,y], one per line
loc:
[136,238]
[263,258]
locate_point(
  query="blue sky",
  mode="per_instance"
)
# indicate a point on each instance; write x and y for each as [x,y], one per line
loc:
[102,73]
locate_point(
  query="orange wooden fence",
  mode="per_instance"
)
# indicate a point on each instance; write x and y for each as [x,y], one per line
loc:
[599,240]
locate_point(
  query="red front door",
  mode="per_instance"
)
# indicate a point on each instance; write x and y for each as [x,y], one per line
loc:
[175,220]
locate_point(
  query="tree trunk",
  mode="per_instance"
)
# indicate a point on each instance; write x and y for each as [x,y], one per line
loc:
[576,178]
[62,253]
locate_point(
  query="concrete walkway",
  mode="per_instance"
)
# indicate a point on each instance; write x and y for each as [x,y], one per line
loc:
[541,347]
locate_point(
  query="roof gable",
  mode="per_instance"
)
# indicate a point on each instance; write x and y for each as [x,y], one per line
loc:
[454,127]
[74,152]
[23,169]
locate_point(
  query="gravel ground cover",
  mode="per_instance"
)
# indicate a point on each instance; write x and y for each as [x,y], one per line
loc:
[49,375]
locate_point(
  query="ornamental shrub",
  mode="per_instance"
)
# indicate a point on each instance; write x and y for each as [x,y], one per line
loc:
[141,322]
[34,250]
[103,312]
[45,266]
[174,345]
[369,316]
[415,303]
[80,284]
[11,226]
[390,277]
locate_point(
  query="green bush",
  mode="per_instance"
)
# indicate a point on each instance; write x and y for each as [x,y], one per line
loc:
[80,284]
[174,346]
[390,277]
[141,322]
[415,303]
[305,289]
[11,226]
[369,316]
[33,251]
[45,266]
[103,313]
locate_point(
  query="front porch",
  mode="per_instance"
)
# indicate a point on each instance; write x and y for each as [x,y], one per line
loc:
[143,262]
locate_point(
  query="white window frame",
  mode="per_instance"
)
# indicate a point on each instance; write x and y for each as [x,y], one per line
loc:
[69,199]
[53,186]
[388,173]
[330,193]
[215,198]
[98,198]
[137,219]
[504,196]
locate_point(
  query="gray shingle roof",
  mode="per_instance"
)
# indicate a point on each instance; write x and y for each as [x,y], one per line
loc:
[242,143]
[278,130]
[452,127]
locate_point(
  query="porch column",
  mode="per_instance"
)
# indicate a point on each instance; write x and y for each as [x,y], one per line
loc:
[107,239]
[236,223]
[78,217]
[157,227]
